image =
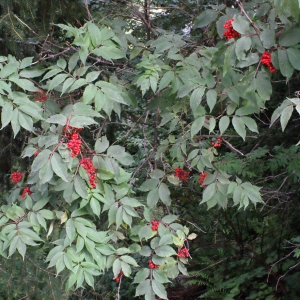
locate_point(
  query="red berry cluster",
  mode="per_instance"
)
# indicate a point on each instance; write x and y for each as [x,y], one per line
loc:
[16,176]
[40,96]
[152,265]
[155,225]
[87,164]
[35,153]
[267,61]
[203,175]
[181,174]
[184,253]
[74,144]
[230,32]
[217,144]
[26,191]
[118,278]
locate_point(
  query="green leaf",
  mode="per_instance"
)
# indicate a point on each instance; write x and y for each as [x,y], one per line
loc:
[6,114]
[159,289]
[73,61]
[25,84]
[15,122]
[25,121]
[165,251]
[286,115]
[95,206]
[197,125]
[119,216]
[90,77]
[148,185]
[95,34]
[290,37]
[285,66]
[70,230]
[119,153]
[142,288]
[223,124]
[205,18]
[211,98]
[81,121]
[196,97]
[268,38]
[129,260]
[160,276]
[141,275]
[59,167]
[31,112]
[250,123]
[80,187]
[294,57]
[166,79]
[240,24]
[145,232]
[152,197]
[243,44]
[68,82]
[263,85]
[164,194]
[77,84]
[169,219]
[239,126]
[57,119]
[57,80]
[31,73]
[40,204]
[209,192]
[109,52]
[40,160]
[26,62]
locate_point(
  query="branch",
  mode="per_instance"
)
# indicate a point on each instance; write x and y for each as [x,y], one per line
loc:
[240,4]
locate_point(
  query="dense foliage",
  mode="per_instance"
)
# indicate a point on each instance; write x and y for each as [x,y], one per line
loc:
[124,123]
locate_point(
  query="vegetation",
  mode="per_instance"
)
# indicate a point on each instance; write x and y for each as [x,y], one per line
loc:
[149,149]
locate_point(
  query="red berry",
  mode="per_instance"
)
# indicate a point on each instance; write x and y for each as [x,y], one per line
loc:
[26,191]
[74,144]
[184,253]
[40,96]
[203,176]
[87,164]
[230,32]
[181,174]
[16,176]
[152,265]
[155,225]
[267,61]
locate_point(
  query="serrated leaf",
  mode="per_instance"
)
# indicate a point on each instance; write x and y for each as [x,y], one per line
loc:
[164,194]
[6,114]
[159,289]
[196,97]
[250,123]
[211,98]
[294,57]
[57,119]
[285,66]
[197,125]
[80,187]
[239,126]
[285,116]
[209,192]
[205,18]
[59,167]
[165,251]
